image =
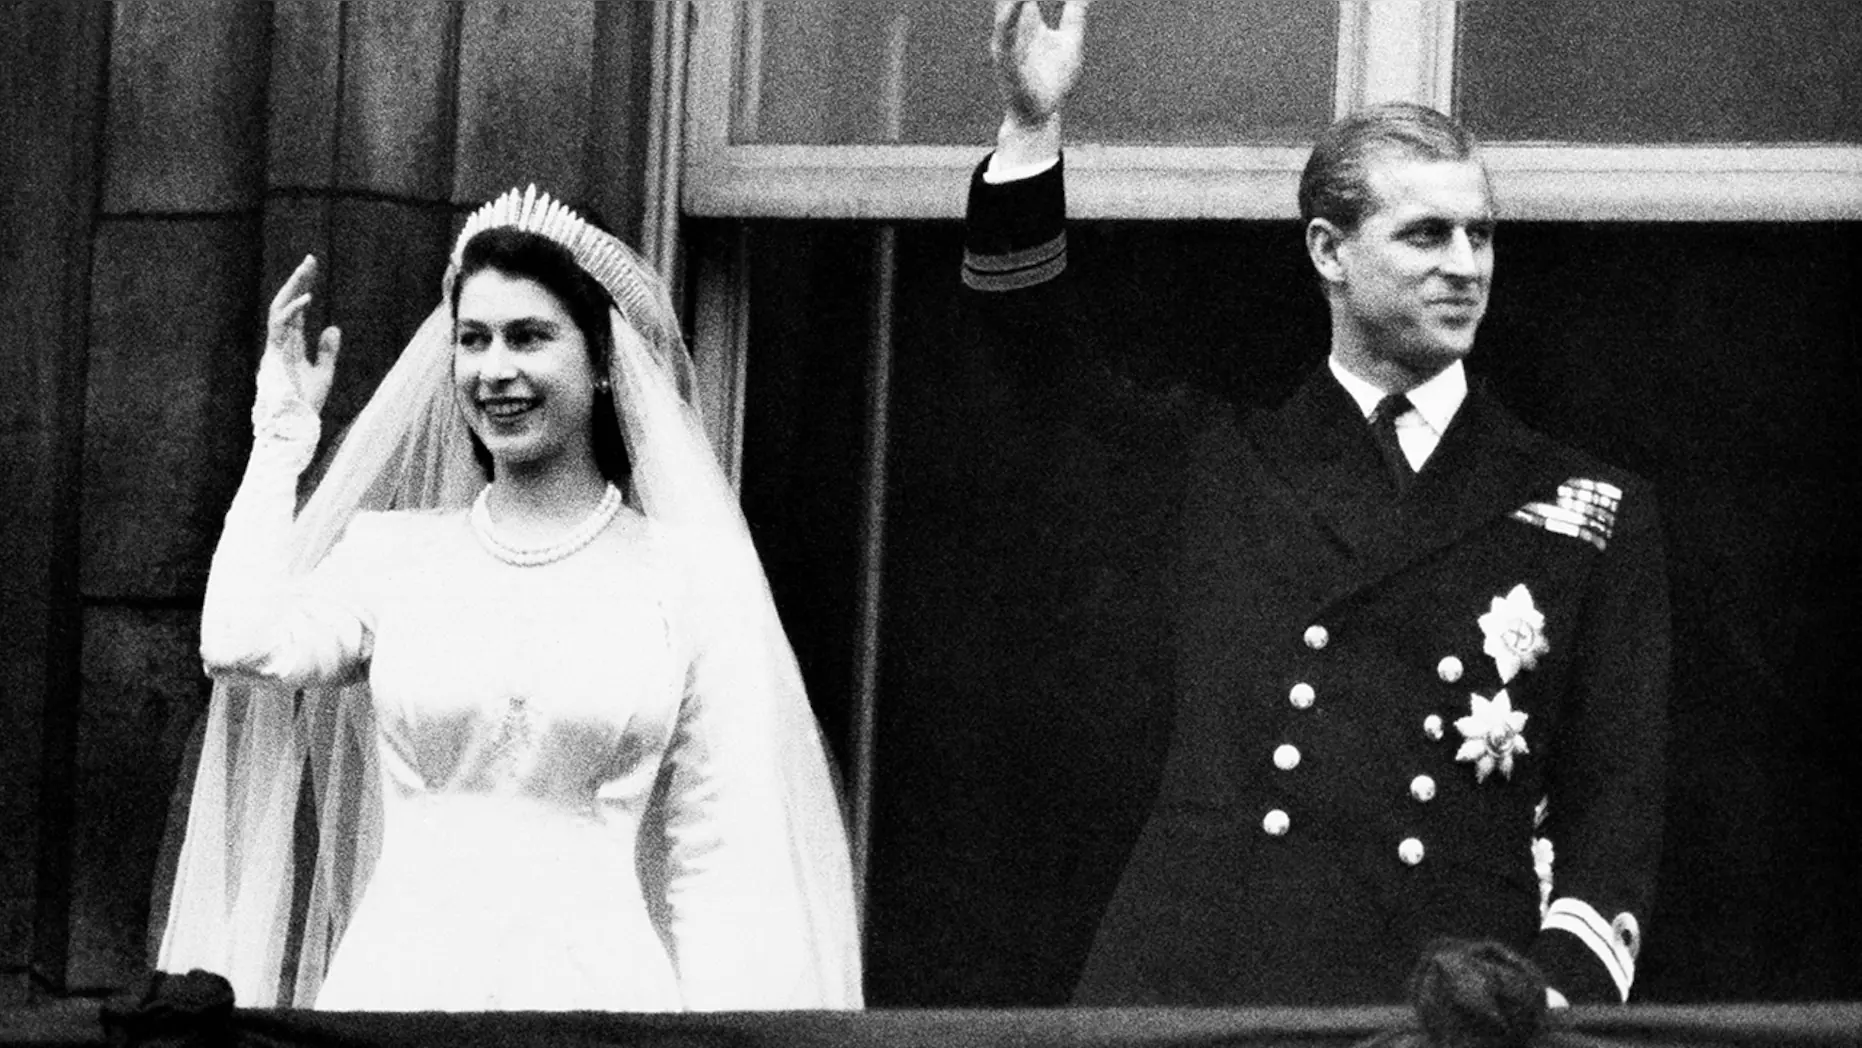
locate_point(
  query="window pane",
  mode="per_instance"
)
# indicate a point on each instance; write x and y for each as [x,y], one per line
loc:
[1662,70]
[1191,71]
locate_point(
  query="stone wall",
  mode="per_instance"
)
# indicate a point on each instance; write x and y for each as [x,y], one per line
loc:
[166,165]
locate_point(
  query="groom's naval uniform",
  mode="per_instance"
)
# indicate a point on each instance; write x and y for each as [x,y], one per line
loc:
[1389,693]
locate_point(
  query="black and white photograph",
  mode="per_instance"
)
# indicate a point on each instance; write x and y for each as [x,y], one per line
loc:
[892,523]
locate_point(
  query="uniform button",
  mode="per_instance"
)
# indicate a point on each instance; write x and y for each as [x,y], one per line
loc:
[1276,823]
[1432,727]
[1422,788]
[1317,637]
[1301,696]
[1449,669]
[1287,757]
[1410,851]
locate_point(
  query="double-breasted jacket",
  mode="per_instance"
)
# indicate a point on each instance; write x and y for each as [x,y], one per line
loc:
[1396,716]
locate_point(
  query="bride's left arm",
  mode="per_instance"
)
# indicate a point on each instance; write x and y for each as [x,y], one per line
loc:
[758,887]
[735,915]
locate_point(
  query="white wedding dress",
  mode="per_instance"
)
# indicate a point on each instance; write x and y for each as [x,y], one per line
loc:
[538,726]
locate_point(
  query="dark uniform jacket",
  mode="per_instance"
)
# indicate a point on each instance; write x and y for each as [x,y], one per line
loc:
[1383,703]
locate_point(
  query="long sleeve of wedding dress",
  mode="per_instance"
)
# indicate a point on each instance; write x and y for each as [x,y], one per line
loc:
[257,621]
[737,915]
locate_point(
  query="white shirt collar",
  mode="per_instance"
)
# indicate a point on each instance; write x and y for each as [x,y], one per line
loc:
[1435,401]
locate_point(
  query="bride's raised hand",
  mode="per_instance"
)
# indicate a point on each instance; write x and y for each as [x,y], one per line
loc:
[286,350]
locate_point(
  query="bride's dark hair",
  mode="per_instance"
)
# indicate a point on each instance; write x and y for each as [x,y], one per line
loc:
[532,256]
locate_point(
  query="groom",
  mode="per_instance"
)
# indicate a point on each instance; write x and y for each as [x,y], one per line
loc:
[1421,651]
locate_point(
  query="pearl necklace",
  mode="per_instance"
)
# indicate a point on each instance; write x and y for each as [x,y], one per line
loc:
[530,556]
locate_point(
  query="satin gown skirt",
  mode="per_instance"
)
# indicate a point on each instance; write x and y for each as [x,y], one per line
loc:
[484,903]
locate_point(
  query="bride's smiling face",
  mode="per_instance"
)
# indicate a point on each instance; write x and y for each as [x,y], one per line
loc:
[521,371]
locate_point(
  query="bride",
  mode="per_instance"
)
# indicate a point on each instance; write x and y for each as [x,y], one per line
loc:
[556,739]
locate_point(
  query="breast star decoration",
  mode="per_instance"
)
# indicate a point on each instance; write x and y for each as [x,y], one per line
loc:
[1492,734]
[1514,632]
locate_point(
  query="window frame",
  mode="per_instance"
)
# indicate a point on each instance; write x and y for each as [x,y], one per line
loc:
[1387,49]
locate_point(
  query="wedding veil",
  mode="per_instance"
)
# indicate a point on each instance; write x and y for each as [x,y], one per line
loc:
[237,906]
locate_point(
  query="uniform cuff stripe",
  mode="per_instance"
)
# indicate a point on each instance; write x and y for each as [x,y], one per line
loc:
[1013,279]
[992,262]
[1582,920]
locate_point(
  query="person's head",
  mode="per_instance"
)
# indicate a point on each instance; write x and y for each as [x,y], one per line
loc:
[1399,226]
[1477,994]
[530,356]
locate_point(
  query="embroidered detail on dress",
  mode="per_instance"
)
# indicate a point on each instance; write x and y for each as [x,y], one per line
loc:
[513,744]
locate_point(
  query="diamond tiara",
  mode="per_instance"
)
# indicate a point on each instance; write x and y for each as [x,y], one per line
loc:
[634,287]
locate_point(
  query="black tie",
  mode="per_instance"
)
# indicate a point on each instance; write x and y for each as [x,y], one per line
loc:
[1384,435]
